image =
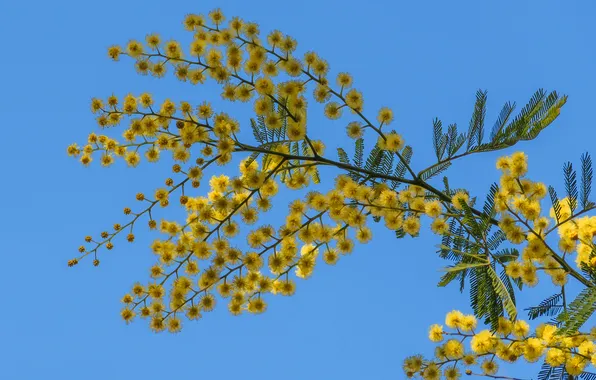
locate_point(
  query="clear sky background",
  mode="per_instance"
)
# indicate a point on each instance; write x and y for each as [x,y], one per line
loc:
[356,320]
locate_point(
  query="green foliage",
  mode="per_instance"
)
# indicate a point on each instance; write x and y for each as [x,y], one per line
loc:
[586,180]
[402,165]
[380,164]
[577,195]
[571,185]
[434,170]
[476,129]
[555,202]
[552,373]
[359,152]
[559,373]
[548,307]
[578,311]
[266,137]
[473,248]
[541,111]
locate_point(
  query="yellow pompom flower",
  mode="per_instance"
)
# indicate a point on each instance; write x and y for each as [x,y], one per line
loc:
[433,208]
[435,334]
[114,52]
[354,99]
[468,323]
[392,142]
[439,226]
[454,318]
[128,315]
[575,365]
[521,329]
[518,164]
[458,198]
[134,48]
[483,342]
[555,357]
[333,110]
[344,80]
[411,225]
[452,373]
[533,349]
[587,348]
[489,367]
[431,372]
[132,158]
[503,163]
[385,116]
[364,235]
[453,349]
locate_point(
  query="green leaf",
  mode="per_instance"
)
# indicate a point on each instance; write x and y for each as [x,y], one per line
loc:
[400,168]
[506,255]
[434,170]
[446,183]
[549,307]
[374,159]
[586,180]
[501,289]
[552,373]
[504,116]
[256,131]
[400,233]
[454,141]
[314,174]
[295,149]
[488,211]
[476,128]
[448,277]
[549,111]
[343,156]
[570,185]
[470,220]
[578,311]
[521,122]
[439,140]
[386,165]
[359,153]
[507,281]
[462,266]
[253,156]
[555,201]
[495,240]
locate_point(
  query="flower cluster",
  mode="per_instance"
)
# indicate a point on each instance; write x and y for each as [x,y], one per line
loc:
[224,251]
[463,348]
[523,222]
[275,81]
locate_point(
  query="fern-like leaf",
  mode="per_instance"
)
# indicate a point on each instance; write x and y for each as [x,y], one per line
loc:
[439,140]
[476,128]
[504,294]
[434,170]
[359,153]
[555,201]
[400,168]
[343,156]
[549,307]
[570,185]
[502,120]
[586,180]
[257,132]
[578,311]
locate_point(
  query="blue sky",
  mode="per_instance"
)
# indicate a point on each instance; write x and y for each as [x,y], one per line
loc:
[356,320]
